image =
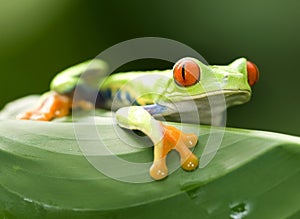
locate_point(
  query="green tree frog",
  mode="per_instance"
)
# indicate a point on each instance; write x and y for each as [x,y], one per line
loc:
[138,97]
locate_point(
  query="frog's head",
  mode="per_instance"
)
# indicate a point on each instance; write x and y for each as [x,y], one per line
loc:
[203,84]
[194,80]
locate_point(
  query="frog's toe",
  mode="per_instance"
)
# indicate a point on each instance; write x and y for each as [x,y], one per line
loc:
[159,170]
[34,115]
[24,116]
[38,116]
[190,140]
[190,162]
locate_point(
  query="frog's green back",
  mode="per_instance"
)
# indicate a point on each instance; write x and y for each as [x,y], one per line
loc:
[88,73]
[138,88]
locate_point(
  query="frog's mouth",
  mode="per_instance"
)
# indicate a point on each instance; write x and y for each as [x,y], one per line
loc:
[206,106]
[229,97]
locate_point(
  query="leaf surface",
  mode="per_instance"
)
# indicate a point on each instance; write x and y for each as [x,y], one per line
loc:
[44,172]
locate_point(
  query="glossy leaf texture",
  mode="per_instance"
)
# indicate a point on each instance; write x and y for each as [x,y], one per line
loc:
[44,174]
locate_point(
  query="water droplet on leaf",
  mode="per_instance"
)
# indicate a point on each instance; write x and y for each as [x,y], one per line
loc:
[239,211]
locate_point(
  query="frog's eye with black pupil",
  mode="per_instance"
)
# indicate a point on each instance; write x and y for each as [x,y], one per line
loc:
[253,73]
[186,72]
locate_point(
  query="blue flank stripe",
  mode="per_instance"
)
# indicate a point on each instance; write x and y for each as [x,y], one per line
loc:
[155,109]
[119,96]
[128,97]
[106,94]
[135,103]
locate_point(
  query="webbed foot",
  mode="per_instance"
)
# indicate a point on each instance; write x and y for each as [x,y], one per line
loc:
[175,139]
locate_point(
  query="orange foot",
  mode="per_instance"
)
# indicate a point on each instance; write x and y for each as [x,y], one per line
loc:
[53,105]
[181,142]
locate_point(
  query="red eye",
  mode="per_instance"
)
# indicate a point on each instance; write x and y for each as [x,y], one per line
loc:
[253,73]
[186,72]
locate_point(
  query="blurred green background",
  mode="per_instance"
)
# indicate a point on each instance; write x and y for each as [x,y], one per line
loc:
[40,38]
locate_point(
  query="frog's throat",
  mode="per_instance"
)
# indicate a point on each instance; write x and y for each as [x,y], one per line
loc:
[202,108]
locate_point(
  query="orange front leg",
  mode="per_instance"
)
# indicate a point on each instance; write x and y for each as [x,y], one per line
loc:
[165,138]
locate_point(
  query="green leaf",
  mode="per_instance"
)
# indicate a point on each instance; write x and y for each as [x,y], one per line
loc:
[44,173]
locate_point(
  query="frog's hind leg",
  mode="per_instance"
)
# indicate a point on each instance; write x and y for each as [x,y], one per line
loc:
[165,138]
[52,105]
